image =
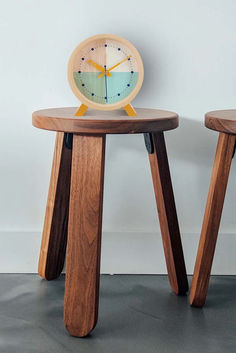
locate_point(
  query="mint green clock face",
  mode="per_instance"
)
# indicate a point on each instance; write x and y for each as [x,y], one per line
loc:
[105,71]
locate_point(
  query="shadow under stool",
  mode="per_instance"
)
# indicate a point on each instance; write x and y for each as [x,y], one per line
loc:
[75,202]
[223,121]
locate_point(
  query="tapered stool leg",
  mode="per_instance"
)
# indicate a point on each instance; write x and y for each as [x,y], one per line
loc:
[212,218]
[167,215]
[84,234]
[53,246]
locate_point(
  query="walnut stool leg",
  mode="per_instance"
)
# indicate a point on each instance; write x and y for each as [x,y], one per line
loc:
[53,246]
[167,215]
[84,235]
[212,218]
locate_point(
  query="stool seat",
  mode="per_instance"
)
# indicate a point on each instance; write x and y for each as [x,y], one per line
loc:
[222,121]
[105,122]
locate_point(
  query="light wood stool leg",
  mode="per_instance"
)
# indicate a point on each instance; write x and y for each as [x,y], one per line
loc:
[211,222]
[53,246]
[167,215]
[84,235]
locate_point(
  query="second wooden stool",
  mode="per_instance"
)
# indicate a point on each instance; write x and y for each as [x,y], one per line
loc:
[223,121]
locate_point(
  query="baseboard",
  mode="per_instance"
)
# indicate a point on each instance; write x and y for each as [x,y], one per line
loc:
[126,252]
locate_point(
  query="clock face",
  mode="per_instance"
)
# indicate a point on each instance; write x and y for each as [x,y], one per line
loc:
[105,72]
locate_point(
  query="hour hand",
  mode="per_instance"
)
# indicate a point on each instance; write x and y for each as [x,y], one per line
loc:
[98,67]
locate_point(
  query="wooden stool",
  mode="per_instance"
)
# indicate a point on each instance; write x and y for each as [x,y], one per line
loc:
[223,121]
[75,200]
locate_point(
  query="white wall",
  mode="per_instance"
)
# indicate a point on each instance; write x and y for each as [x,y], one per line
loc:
[189,53]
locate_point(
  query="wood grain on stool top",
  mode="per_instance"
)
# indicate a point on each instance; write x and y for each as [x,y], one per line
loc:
[109,122]
[222,121]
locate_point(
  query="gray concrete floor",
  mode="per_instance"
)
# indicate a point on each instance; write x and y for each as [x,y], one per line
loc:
[137,314]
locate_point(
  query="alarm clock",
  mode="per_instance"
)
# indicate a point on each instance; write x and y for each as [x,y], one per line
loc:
[105,72]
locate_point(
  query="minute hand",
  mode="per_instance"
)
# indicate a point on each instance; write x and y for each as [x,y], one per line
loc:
[111,68]
[98,67]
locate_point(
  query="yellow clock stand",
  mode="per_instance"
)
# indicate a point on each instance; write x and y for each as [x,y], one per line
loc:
[128,108]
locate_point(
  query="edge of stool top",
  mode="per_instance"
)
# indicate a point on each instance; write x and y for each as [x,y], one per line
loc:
[105,122]
[221,120]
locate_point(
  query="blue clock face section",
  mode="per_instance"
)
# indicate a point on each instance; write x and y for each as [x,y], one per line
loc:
[110,89]
[106,72]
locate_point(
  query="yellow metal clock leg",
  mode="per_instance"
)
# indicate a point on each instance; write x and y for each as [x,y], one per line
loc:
[82,110]
[130,110]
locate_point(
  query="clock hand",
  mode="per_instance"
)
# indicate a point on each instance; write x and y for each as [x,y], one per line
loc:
[111,68]
[106,85]
[121,62]
[98,67]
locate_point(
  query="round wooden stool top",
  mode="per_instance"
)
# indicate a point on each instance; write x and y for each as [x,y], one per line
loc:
[105,122]
[222,121]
